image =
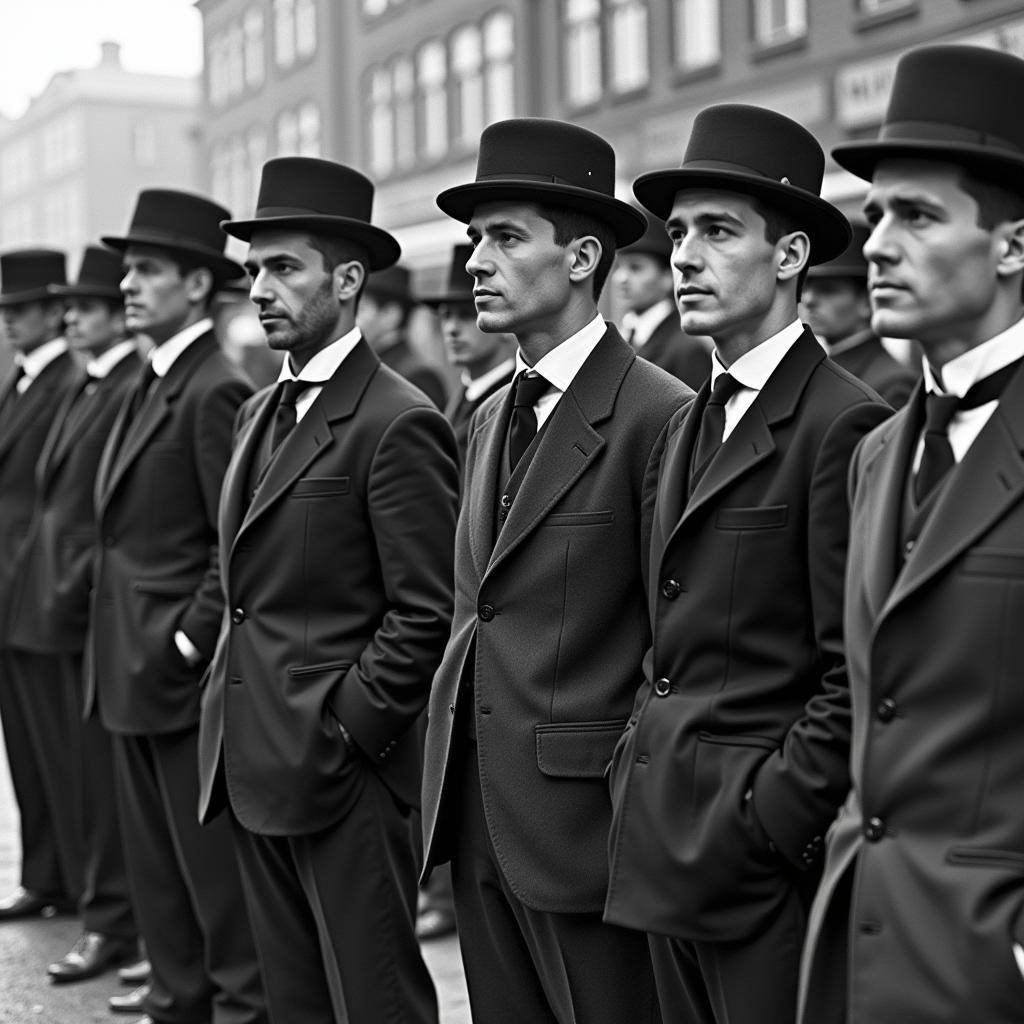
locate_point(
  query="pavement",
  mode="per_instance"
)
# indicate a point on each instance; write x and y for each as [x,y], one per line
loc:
[26,947]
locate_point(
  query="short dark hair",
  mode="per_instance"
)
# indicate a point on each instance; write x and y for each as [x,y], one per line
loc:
[570,225]
[334,250]
[186,263]
[997,203]
[778,222]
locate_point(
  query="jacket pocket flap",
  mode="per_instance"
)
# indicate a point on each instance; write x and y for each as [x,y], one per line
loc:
[579,518]
[577,750]
[170,588]
[760,518]
[325,666]
[993,562]
[320,486]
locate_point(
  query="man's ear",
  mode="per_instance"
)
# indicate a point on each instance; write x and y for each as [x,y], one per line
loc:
[1011,248]
[585,255]
[348,279]
[792,252]
[199,284]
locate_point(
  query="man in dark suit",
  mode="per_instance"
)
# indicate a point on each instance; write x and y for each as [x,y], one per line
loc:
[157,607]
[643,280]
[735,759]
[336,530]
[49,611]
[918,917]
[836,307]
[383,318]
[37,708]
[550,623]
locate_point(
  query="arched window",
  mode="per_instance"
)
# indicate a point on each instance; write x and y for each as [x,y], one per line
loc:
[287,133]
[403,80]
[284,33]
[235,72]
[252,26]
[627,38]
[309,129]
[582,51]
[432,73]
[499,66]
[467,70]
[256,154]
[305,27]
[382,123]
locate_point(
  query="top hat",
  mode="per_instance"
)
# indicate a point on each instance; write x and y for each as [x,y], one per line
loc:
[850,263]
[393,282]
[99,276]
[29,275]
[953,103]
[653,242]
[179,222]
[540,160]
[322,197]
[460,281]
[756,152]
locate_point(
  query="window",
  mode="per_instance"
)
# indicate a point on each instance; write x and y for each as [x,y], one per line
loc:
[499,70]
[884,6]
[309,129]
[238,176]
[372,8]
[17,168]
[235,74]
[64,216]
[305,27]
[220,184]
[287,133]
[583,51]
[217,81]
[698,42]
[62,145]
[144,143]
[777,21]
[382,125]
[254,57]
[629,66]
[467,64]
[431,72]
[256,152]
[403,81]
[284,33]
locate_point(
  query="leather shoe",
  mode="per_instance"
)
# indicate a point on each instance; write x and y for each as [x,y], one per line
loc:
[131,1003]
[24,903]
[435,923]
[134,974]
[90,956]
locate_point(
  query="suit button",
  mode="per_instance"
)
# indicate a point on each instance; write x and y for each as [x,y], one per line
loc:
[238,616]
[451,709]
[486,612]
[506,501]
[671,589]
[908,547]
[662,687]
[874,830]
[886,709]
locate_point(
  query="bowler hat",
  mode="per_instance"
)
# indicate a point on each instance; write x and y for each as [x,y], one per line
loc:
[28,275]
[322,197]
[99,275]
[540,160]
[393,282]
[950,102]
[180,222]
[757,152]
[653,242]
[460,281]
[850,263]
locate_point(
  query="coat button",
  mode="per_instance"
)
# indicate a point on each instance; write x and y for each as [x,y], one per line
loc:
[506,501]
[662,687]
[886,709]
[874,830]
[486,612]
[238,616]
[671,589]
[908,547]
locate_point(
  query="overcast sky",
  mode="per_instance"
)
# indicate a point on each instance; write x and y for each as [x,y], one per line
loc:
[40,37]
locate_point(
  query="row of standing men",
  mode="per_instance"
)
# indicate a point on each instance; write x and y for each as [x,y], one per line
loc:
[729,612]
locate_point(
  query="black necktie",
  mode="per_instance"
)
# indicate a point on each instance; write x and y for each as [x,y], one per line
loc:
[523,427]
[138,394]
[937,457]
[286,416]
[712,423]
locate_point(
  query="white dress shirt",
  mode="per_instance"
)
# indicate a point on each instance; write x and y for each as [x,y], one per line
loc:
[477,386]
[101,365]
[320,369]
[164,356]
[638,327]
[561,365]
[33,363]
[752,370]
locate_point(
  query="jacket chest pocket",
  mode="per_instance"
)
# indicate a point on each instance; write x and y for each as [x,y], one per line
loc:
[321,487]
[761,517]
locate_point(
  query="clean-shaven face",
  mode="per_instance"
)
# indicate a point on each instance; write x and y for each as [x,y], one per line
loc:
[156,297]
[641,280]
[834,307]
[93,325]
[28,324]
[467,346]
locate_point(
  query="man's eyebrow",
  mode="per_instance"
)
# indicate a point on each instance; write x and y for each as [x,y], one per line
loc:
[705,217]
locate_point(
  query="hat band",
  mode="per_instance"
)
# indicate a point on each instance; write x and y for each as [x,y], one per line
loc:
[933,131]
[726,165]
[298,211]
[550,179]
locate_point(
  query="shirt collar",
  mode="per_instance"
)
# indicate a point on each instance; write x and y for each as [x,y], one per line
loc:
[33,363]
[644,324]
[325,363]
[959,374]
[477,386]
[101,365]
[164,356]
[753,368]
[564,361]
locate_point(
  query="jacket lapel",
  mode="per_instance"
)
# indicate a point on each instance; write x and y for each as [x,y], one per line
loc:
[234,496]
[38,395]
[480,497]
[675,468]
[51,452]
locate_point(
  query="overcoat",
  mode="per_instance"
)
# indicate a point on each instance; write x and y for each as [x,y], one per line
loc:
[676,352]
[736,756]
[869,361]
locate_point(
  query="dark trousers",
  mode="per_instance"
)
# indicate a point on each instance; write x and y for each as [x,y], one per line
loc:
[40,711]
[528,965]
[333,913]
[185,887]
[751,982]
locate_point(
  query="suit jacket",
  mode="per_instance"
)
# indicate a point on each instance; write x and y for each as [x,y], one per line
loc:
[24,424]
[932,837]
[406,363]
[870,362]
[736,757]
[550,625]
[459,413]
[338,587]
[677,352]
[157,490]
[53,573]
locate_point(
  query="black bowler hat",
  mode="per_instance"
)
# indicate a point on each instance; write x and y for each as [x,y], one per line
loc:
[757,152]
[322,197]
[850,263]
[653,242]
[540,160]
[180,222]
[393,282]
[29,275]
[460,281]
[954,103]
[99,276]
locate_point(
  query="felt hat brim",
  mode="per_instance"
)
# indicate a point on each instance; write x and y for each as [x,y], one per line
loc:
[626,223]
[448,299]
[223,267]
[381,247]
[85,291]
[39,294]
[861,158]
[826,227]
